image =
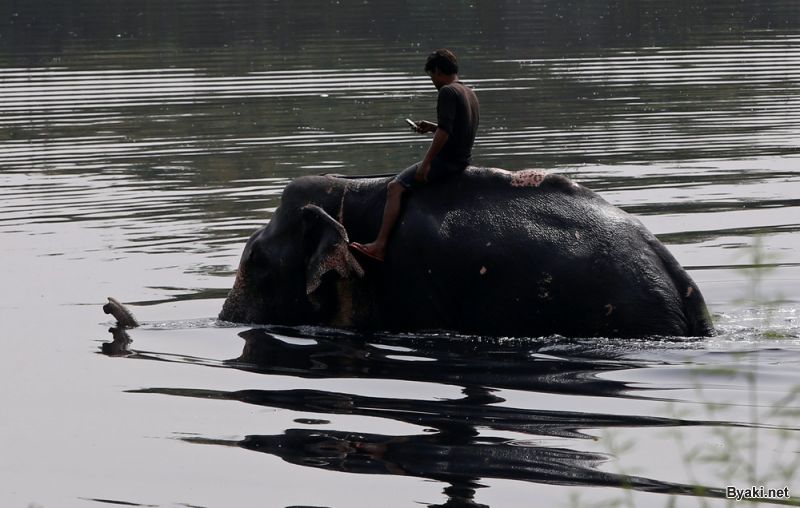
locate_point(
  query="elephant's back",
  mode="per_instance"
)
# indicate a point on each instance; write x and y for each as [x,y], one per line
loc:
[533,251]
[515,212]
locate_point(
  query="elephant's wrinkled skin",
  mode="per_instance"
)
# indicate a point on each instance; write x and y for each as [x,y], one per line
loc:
[489,252]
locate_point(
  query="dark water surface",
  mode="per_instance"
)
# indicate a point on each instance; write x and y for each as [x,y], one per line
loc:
[141,143]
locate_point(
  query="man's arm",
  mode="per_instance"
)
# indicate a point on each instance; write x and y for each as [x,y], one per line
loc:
[446,103]
[439,139]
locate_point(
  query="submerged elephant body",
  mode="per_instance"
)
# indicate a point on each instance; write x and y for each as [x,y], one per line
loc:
[490,252]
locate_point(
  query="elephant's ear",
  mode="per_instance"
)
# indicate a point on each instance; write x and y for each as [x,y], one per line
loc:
[326,242]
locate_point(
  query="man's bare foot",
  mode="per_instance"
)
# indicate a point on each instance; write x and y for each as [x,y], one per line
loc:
[371,250]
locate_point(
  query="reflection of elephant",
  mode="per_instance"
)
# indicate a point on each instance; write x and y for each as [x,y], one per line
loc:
[461,461]
[489,252]
[460,440]
[483,370]
[447,359]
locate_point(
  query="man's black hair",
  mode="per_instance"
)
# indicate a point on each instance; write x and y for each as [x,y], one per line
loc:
[444,60]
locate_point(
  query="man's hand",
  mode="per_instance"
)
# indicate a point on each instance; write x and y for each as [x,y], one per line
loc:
[424,126]
[422,172]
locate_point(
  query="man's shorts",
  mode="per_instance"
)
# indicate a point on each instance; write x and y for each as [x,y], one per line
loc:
[440,170]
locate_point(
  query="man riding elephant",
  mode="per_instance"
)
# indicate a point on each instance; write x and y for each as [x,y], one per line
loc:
[450,152]
[488,251]
[476,250]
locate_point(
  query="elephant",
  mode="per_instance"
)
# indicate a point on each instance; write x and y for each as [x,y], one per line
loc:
[486,252]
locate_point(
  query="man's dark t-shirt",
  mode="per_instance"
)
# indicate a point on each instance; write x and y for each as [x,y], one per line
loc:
[458,114]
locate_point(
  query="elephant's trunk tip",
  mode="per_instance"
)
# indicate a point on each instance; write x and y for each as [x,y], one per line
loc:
[123,316]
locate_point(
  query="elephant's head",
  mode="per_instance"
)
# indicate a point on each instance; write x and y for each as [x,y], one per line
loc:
[297,269]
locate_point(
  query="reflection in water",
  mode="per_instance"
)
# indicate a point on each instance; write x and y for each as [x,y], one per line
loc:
[447,457]
[454,447]
[473,370]
[120,346]
[336,355]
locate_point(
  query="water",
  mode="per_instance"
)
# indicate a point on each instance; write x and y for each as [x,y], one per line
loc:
[142,142]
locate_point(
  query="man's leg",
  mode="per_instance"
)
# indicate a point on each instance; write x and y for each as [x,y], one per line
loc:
[391,211]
